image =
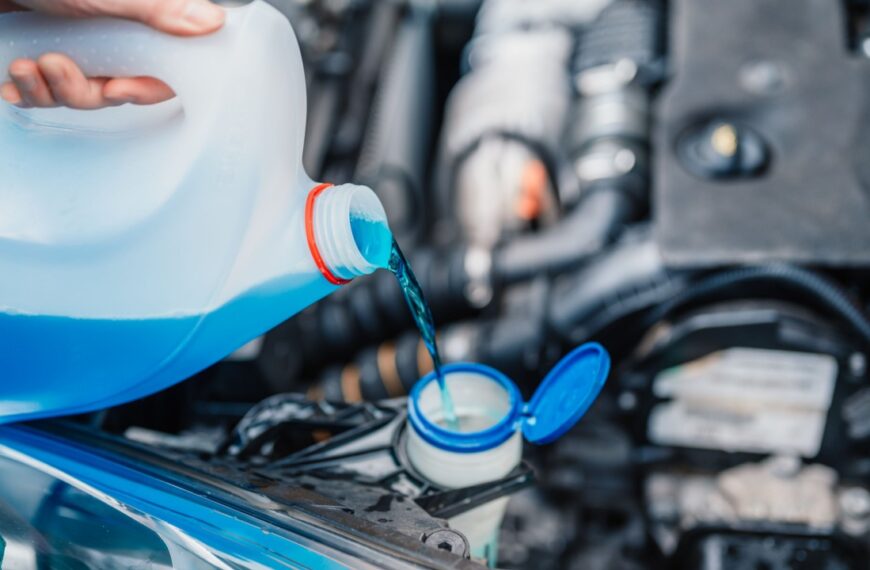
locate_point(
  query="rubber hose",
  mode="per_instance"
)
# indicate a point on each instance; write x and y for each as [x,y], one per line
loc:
[629,277]
[593,223]
[822,289]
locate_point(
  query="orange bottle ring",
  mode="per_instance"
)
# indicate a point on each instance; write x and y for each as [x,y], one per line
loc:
[312,242]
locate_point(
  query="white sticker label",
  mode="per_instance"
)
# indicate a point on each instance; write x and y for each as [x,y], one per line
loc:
[746,399]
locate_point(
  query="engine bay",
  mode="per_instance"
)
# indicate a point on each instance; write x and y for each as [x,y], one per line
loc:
[684,182]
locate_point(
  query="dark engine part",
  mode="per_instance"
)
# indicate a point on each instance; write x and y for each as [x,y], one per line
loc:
[762,142]
[742,408]
[360,442]
[721,377]
[772,548]
[358,458]
[392,159]
[348,458]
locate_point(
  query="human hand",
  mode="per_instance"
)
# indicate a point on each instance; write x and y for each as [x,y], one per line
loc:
[55,80]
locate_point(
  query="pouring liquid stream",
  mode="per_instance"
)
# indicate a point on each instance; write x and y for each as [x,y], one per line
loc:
[425,323]
[393,259]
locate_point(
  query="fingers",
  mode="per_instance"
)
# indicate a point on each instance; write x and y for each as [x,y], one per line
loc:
[68,84]
[137,90]
[54,79]
[32,87]
[180,17]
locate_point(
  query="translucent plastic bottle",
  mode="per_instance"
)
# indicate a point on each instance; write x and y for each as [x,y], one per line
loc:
[493,419]
[139,245]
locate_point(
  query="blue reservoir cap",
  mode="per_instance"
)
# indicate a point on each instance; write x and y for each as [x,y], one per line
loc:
[566,393]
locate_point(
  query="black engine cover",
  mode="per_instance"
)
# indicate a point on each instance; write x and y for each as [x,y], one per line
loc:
[783,70]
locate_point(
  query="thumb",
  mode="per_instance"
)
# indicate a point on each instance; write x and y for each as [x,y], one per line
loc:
[179,17]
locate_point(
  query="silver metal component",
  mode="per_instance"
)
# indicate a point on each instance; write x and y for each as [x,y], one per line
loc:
[857,364]
[763,77]
[627,401]
[606,78]
[856,413]
[448,540]
[478,268]
[609,122]
[624,160]
[605,159]
[855,507]
[513,101]
[457,343]
[489,186]
[780,489]
[855,502]
[518,83]
[661,492]
[622,113]
[499,15]
[745,399]
[200,440]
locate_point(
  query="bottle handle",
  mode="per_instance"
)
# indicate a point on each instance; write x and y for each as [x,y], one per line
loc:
[196,68]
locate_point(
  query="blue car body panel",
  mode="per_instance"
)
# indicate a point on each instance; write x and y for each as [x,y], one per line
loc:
[194,526]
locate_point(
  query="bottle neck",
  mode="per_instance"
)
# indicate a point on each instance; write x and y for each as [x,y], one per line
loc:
[348,232]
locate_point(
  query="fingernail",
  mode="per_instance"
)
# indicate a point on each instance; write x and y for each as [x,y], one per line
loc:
[203,15]
[123,100]
[118,98]
[10,94]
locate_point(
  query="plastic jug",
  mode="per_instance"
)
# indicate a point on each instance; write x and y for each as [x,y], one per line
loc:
[139,245]
[493,420]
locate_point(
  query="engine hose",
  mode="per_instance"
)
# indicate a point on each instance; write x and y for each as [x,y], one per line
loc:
[627,278]
[830,295]
[387,370]
[625,30]
[513,345]
[594,222]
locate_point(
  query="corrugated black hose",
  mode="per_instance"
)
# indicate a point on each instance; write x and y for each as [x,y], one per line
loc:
[823,290]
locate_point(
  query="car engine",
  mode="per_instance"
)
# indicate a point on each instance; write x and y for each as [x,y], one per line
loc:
[684,181]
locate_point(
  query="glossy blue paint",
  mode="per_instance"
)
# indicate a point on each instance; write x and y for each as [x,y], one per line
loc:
[226,535]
